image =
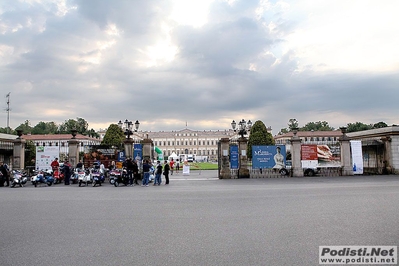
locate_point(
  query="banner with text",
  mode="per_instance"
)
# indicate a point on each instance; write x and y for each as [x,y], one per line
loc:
[45,155]
[268,157]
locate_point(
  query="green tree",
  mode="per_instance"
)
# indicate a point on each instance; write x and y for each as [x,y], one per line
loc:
[317,126]
[380,125]
[114,136]
[7,130]
[45,128]
[80,125]
[25,127]
[259,136]
[358,126]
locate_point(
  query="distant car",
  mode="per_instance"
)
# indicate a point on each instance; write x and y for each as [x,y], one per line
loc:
[306,171]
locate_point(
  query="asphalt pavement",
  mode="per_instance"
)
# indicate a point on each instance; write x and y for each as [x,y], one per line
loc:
[197,220]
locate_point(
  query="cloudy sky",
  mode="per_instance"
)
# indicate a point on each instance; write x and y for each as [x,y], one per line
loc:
[201,62]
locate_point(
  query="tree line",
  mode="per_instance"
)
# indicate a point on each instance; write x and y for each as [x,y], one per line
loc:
[324,126]
[80,124]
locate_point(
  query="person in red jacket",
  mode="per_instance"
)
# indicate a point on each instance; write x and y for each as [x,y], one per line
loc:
[54,165]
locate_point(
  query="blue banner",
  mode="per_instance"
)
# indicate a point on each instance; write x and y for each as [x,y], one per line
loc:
[268,157]
[138,152]
[233,157]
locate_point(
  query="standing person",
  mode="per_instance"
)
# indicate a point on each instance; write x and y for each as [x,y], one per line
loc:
[158,173]
[166,169]
[4,171]
[177,166]
[136,173]
[54,165]
[146,171]
[67,172]
[171,164]
[112,166]
[130,168]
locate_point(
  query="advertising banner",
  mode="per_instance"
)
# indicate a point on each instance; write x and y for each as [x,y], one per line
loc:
[309,158]
[233,157]
[329,155]
[45,155]
[138,152]
[268,157]
[357,156]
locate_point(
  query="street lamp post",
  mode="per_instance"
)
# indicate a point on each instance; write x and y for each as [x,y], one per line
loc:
[128,127]
[243,128]
[128,142]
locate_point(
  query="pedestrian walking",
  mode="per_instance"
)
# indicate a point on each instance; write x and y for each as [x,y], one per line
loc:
[166,169]
[158,174]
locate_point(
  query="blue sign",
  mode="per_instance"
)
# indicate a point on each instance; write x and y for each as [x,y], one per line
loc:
[121,156]
[268,157]
[234,157]
[138,152]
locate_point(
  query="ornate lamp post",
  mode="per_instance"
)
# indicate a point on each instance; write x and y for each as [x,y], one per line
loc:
[243,128]
[128,127]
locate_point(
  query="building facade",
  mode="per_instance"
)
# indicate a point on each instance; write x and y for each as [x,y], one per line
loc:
[203,144]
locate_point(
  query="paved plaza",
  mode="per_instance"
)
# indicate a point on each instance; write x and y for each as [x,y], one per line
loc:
[197,220]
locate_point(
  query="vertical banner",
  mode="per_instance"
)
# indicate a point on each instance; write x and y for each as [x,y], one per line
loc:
[233,157]
[268,157]
[357,157]
[45,155]
[138,152]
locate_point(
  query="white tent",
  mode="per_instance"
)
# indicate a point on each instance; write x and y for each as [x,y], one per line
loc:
[173,156]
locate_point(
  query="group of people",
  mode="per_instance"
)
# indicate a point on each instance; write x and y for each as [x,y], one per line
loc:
[66,169]
[132,168]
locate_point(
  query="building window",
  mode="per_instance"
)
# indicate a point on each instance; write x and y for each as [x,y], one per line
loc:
[169,144]
[177,143]
[195,143]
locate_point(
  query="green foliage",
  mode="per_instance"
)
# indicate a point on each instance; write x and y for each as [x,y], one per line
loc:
[317,126]
[7,130]
[259,136]
[358,126]
[45,128]
[80,125]
[380,125]
[25,127]
[30,153]
[114,136]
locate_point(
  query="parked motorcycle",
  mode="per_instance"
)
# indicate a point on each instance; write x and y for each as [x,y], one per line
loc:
[114,175]
[122,179]
[84,177]
[18,178]
[43,177]
[58,176]
[97,177]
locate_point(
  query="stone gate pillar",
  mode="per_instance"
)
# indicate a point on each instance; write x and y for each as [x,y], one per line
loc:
[148,149]
[388,160]
[128,143]
[346,162]
[73,151]
[243,171]
[225,172]
[297,170]
[18,162]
